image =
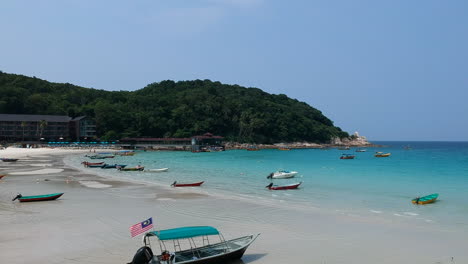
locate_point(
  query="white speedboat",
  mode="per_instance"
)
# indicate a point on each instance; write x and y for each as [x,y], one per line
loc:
[158,170]
[282,174]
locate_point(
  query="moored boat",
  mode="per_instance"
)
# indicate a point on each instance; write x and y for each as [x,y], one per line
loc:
[158,170]
[284,148]
[223,251]
[382,155]
[347,156]
[361,150]
[8,160]
[37,198]
[137,168]
[175,184]
[425,199]
[283,187]
[89,164]
[112,166]
[282,174]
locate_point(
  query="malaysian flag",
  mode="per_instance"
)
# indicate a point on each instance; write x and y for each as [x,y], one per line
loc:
[142,227]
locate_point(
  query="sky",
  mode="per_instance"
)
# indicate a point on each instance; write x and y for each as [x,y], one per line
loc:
[391,70]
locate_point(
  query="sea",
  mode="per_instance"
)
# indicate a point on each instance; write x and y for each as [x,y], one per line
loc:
[367,186]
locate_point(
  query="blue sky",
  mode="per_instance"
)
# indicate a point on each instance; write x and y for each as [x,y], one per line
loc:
[392,70]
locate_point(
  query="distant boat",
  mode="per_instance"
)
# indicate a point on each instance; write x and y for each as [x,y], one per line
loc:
[361,150]
[175,184]
[425,199]
[206,252]
[382,155]
[112,166]
[88,164]
[282,174]
[3,175]
[284,149]
[37,198]
[283,187]
[253,148]
[8,160]
[347,156]
[158,170]
[137,168]
[343,148]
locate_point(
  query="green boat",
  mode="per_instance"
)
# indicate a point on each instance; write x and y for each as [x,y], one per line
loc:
[425,199]
[36,198]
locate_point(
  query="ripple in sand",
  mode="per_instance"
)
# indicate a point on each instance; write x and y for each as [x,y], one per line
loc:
[94,184]
[42,171]
[41,165]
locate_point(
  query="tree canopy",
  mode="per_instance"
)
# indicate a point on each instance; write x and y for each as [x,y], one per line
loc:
[173,109]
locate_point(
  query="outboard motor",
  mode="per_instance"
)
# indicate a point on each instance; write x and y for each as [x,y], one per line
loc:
[270,176]
[143,256]
[17,196]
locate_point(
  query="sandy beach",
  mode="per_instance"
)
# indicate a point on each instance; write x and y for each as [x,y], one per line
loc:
[90,222]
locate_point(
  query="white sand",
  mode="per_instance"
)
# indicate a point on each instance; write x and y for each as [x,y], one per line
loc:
[36,172]
[94,184]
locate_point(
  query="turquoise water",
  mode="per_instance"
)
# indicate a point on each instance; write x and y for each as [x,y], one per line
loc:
[365,186]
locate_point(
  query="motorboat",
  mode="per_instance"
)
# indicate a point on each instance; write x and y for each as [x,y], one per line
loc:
[282,174]
[271,186]
[382,155]
[200,247]
[157,170]
[194,184]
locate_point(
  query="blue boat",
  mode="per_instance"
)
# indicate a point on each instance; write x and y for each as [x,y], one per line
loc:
[112,166]
[220,252]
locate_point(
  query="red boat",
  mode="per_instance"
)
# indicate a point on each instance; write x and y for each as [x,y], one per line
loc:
[175,184]
[347,156]
[3,175]
[283,187]
[86,163]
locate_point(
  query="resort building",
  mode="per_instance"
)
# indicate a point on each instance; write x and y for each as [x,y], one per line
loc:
[203,142]
[45,128]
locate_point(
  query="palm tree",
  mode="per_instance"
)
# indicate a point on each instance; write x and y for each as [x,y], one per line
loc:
[23,125]
[42,126]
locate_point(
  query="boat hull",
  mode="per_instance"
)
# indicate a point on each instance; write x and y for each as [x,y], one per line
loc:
[158,170]
[426,199]
[382,155]
[39,198]
[188,184]
[9,160]
[285,187]
[347,157]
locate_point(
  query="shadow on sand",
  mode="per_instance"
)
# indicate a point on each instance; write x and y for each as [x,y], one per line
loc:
[247,258]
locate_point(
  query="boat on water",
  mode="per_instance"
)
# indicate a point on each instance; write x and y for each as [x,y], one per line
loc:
[361,150]
[284,148]
[176,184]
[112,166]
[206,252]
[282,174]
[382,155]
[137,168]
[344,148]
[100,157]
[347,156]
[271,186]
[37,198]
[425,199]
[157,170]
[89,164]
[253,148]
[8,160]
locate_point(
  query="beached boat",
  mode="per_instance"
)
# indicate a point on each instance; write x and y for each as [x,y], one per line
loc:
[271,186]
[8,160]
[282,174]
[158,170]
[37,198]
[347,156]
[425,199]
[89,164]
[175,184]
[112,166]
[382,155]
[1,176]
[137,168]
[224,251]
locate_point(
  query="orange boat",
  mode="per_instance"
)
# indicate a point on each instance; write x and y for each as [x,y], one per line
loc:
[382,155]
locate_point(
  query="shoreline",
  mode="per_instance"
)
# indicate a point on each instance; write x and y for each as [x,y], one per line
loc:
[91,224]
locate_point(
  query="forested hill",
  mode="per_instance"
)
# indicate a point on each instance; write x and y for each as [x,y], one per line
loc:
[173,109]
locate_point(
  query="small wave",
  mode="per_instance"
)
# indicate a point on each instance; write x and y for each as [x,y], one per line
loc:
[42,171]
[397,215]
[410,213]
[94,184]
[376,212]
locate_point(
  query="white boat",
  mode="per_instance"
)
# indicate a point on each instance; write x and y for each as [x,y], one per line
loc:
[282,174]
[158,170]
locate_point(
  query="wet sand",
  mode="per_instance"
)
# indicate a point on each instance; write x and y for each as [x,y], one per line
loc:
[90,223]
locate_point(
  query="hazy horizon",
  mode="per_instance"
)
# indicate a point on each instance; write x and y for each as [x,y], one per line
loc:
[394,70]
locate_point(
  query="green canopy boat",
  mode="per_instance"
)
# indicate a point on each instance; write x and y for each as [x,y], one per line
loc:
[36,198]
[425,199]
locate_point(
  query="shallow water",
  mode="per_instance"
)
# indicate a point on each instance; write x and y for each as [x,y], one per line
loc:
[378,188]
